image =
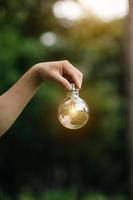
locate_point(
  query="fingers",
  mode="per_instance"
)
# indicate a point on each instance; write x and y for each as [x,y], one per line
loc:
[75,75]
[62,81]
[61,71]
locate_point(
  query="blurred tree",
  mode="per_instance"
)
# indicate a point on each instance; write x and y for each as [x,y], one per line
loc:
[130,90]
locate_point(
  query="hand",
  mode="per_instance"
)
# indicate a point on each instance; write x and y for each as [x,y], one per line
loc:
[63,72]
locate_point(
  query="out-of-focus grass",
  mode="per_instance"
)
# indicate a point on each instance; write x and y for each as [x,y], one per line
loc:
[58,196]
[103,197]
[63,195]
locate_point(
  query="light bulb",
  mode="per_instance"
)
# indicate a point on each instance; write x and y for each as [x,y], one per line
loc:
[73,112]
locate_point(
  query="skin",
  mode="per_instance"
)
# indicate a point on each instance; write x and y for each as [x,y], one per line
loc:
[13,101]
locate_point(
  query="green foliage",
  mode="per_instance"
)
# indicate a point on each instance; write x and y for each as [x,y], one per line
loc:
[26,196]
[64,195]
[56,195]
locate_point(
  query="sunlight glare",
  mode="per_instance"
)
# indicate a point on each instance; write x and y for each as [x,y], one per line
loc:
[48,38]
[67,9]
[106,9]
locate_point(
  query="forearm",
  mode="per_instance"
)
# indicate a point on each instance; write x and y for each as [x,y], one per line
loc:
[13,101]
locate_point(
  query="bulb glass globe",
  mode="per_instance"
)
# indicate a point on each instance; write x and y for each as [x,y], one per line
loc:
[73,112]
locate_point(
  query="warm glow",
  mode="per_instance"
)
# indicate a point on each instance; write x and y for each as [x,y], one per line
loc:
[104,9]
[107,9]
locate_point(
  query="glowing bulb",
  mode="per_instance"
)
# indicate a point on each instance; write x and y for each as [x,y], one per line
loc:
[73,112]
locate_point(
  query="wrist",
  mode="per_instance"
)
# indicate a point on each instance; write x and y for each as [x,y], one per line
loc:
[36,70]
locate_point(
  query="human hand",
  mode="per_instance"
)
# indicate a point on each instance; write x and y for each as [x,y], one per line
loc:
[63,72]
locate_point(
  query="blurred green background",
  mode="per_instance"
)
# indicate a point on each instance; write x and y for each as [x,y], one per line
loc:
[39,159]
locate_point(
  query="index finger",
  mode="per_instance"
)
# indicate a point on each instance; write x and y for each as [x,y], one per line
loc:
[74,73]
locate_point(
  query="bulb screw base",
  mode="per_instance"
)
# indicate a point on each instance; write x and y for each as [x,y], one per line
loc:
[73,86]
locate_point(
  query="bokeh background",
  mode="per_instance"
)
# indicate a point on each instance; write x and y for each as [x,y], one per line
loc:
[40,159]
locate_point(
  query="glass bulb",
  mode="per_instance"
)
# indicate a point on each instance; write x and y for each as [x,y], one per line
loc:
[73,112]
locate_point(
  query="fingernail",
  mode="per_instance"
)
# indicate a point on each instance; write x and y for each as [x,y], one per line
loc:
[69,87]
